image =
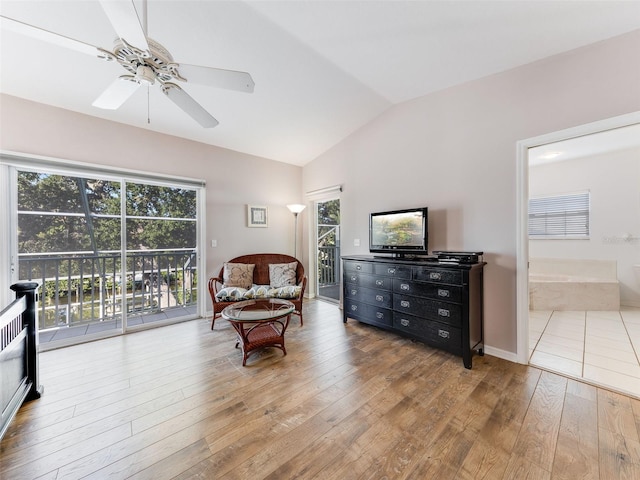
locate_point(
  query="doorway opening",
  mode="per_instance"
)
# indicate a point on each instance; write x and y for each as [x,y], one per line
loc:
[328,249]
[593,337]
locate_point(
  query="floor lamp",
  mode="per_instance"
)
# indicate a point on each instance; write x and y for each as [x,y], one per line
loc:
[295,209]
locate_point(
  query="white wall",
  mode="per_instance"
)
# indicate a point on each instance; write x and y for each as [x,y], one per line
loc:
[613,180]
[455,151]
[233,179]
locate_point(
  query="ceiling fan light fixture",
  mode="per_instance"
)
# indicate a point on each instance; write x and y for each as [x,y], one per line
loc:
[145,60]
[145,74]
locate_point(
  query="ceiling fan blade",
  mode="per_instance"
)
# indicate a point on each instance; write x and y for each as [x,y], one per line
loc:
[216,77]
[29,30]
[117,93]
[125,21]
[189,105]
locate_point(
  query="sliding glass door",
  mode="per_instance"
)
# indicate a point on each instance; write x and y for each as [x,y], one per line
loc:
[109,253]
[68,241]
[161,246]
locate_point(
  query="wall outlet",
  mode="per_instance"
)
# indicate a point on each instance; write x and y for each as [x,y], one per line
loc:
[214,243]
[356,242]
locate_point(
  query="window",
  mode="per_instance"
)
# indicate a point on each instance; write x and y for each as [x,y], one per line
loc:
[559,216]
[112,250]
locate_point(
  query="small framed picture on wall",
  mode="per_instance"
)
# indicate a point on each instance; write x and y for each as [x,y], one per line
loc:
[257,216]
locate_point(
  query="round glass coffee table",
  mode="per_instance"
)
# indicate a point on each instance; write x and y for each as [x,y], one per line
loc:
[259,323]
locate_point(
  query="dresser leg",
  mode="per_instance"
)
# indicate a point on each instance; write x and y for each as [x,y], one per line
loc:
[466,358]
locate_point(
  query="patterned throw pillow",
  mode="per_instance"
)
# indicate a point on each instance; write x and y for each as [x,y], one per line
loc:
[238,275]
[292,291]
[231,294]
[258,291]
[282,274]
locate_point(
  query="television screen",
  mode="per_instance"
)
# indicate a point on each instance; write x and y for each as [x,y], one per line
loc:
[399,231]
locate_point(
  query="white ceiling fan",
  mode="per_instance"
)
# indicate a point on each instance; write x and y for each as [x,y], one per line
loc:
[146,60]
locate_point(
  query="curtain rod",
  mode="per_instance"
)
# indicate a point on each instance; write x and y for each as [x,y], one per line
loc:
[27,160]
[334,188]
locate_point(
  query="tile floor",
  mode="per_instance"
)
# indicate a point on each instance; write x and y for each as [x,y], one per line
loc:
[598,347]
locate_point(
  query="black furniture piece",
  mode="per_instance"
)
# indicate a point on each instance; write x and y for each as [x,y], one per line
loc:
[438,303]
[19,368]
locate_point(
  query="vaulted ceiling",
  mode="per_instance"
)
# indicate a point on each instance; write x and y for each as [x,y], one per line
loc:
[322,69]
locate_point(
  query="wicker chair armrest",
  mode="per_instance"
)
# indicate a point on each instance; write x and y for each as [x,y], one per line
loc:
[215,284]
[303,284]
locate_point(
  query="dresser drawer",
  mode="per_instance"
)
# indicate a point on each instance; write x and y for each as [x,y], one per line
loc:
[430,309]
[368,313]
[364,267]
[448,293]
[352,278]
[369,281]
[437,275]
[371,296]
[391,270]
[434,333]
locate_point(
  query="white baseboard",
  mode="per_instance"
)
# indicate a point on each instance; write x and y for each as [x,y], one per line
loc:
[497,352]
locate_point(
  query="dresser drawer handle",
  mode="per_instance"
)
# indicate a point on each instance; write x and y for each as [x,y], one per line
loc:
[354,292]
[379,298]
[435,276]
[379,283]
[358,267]
[443,333]
[404,286]
[354,307]
[391,271]
[354,278]
[404,322]
[443,293]
[404,303]
[443,312]
[379,315]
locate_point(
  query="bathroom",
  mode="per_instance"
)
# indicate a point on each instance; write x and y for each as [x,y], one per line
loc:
[585,289]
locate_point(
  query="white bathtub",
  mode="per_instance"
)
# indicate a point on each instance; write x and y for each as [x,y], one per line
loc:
[570,284]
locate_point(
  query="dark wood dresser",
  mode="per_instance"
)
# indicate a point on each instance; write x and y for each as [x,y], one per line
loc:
[438,303]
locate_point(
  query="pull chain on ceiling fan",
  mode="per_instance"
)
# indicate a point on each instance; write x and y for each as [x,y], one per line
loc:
[146,60]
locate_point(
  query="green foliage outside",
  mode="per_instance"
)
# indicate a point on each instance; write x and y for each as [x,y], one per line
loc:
[79,222]
[157,217]
[328,219]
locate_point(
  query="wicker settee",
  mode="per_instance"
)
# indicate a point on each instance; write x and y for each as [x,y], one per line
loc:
[261,277]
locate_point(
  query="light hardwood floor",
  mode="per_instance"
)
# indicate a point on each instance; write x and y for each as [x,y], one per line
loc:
[346,402]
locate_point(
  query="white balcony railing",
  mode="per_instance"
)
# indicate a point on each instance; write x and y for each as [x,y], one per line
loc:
[80,288]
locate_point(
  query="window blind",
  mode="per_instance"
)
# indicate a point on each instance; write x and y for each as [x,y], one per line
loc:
[560,216]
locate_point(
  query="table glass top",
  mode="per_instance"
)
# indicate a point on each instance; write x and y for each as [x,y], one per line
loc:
[257,310]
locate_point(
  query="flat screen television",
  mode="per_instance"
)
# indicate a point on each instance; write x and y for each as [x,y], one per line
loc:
[400,232]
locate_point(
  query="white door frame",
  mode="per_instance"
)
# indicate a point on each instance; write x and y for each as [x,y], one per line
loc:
[522,203]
